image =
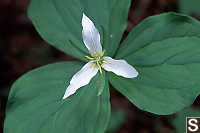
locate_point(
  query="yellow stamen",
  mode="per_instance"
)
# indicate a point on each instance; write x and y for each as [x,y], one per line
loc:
[105,62]
[89,58]
[92,66]
[95,54]
[99,68]
[102,53]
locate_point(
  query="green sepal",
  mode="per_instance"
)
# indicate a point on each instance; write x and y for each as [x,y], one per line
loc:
[102,78]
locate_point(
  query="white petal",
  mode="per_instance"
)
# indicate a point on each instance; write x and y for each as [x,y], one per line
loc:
[91,36]
[81,78]
[120,67]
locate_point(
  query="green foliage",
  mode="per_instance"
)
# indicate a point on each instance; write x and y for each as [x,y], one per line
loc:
[35,103]
[118,117]
[165,49]
[189,6]
[59,22]
[180,121]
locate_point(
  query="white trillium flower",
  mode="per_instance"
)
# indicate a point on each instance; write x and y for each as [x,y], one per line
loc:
[91,39]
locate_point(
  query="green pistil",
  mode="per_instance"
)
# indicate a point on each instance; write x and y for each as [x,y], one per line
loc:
[99,60]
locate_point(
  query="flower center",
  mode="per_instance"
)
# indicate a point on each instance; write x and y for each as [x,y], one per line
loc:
[98,60]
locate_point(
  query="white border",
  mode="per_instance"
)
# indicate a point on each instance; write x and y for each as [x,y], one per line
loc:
[186,122]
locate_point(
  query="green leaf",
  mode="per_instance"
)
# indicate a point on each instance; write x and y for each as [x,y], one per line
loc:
[180,121]
[64,35]
[118,117]
[189,6]
[35,103]
[165,50]
[59,22]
